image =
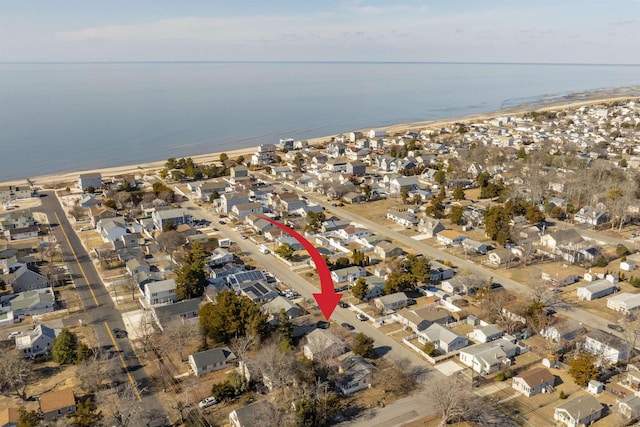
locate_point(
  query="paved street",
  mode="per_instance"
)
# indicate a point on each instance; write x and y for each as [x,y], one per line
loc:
[99,310]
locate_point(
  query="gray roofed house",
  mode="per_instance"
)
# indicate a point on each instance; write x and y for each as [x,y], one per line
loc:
[629,407]
[37,342]
[489,357]
[404,218]
[355,374]
[348,274]
[161,292]
[32,302]
[607,347]
[210,360]
[323,344]
[487,333]
[177,216]
[583,410]
[595,290]
[430,226]
[561,238]
[291,310]
[112,228]
[254,415]
[387,250]
[179,311]
[444,338]
[25,279]
[392,302]
[258,291]
[565,330]
[136,265]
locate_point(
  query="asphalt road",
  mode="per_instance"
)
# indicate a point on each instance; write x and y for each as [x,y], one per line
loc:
[99,310]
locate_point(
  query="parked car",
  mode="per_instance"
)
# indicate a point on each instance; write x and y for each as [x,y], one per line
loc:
[343,304]
[86,228]
[14,334]
[348,326]
[119,333]
[615,327]
[362,317]
[207,401]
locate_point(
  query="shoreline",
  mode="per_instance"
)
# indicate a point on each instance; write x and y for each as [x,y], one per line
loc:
[574,100]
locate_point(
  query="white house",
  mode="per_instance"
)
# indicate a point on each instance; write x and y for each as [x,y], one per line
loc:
[583,410]
[595,290]
[488,357]
[377,133]
[322,344]
[443,338]
[628,265]
[624,302]
[111,229]
[176,216]
[30,303]
[590,215]
[534,381]
[160,292]
[392,302]
[474,246]
[487,333]
[629,407]
[348,274]
[606,347]
[404,218]
[241,210]
[211,360]
[37,342]
[501,256]
[450,237]
[354,375]
[566,330]
[87,180]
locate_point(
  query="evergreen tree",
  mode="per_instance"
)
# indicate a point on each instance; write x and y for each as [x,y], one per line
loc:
[232,316]
[363,345]
[65,347]
[360,289]
[192,278]
[86,415]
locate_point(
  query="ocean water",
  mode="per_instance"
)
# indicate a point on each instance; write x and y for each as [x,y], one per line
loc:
[67,117]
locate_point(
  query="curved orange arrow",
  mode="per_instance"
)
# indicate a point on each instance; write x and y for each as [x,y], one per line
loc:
[327,299]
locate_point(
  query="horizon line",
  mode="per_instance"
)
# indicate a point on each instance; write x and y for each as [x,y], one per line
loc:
[323,62]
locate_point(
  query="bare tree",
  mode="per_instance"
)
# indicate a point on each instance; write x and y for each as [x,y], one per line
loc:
[178,334]
[15,374]
[132,286]
[275,365]
[240,347]
[97,370]
[454,399]
[170,241]
[76,211]
[124,409]
[146,331]
[505,309]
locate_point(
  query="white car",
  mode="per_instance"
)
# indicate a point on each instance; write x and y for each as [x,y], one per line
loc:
[207,401]
[86,228]
[14,334]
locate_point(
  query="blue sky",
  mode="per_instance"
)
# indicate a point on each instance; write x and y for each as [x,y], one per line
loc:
[577,31]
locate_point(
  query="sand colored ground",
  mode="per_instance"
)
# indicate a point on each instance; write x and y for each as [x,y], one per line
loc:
[571,101]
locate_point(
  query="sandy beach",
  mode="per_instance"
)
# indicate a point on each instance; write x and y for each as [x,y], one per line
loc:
[570,101]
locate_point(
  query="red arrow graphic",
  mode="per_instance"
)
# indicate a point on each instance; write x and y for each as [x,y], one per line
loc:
[328,298]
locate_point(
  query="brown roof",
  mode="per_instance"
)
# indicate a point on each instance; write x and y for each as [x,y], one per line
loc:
[537,376]
[54,400]
[9,415]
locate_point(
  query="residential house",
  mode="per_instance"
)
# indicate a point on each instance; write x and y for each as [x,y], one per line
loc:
[629,407]
[282,304]
[177,217]
[241,210]
[439,271]
[450,237]
[421,318]
[323,345]
[87,180]
[181,311]
[204,190]
[473,246]
[351,233]
[353,197]
[258,291]
[487,333]
[444,339]
[591,216]
[356,168]
[624,302]
[211,360]
[430,226]
[8,260]
[404,218]
[237,279]
[57,404]
[534,381]
[606,347]
[253,415]
[241,173]
[392,302]
[219,256]
[375,287]
[25,279]
[160,292]
[96,213]
[401,183]
[111,229]
[462,285]
[229,200]
[568,238]
[594,290]
[486,358]
[19,226]
[377,133]
[566,330]
[501,256]
[37,342]
[583,410]
[386,250]
[354,374]
[31,303]
[348,274]
[136,265]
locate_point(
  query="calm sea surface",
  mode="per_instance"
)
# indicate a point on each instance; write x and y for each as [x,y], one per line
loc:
[66,117]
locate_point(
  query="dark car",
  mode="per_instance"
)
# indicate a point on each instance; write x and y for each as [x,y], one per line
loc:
[221,222]
[119,333]
[348,326]
[343,304]
[615,327]
[411,302]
